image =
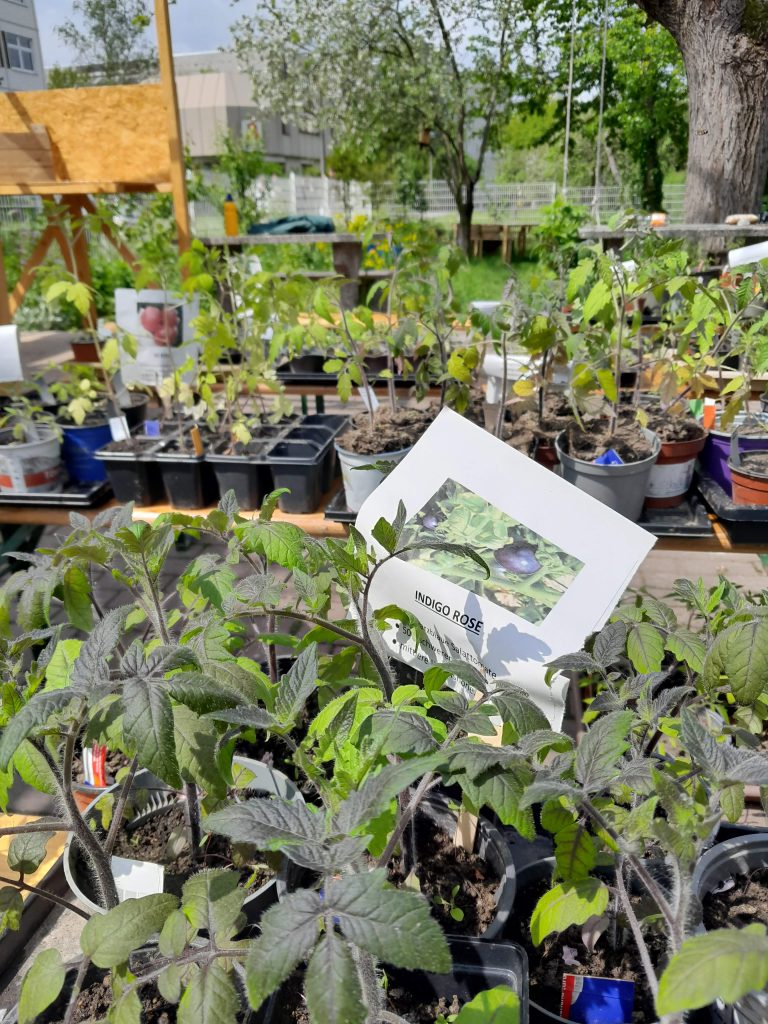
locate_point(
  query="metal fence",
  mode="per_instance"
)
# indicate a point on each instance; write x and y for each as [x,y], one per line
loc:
[514,203]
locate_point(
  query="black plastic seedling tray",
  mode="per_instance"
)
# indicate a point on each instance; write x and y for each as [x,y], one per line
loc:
[298,454]
[134,474]
[336,510]
[745,523]
[78,495]
[689,519]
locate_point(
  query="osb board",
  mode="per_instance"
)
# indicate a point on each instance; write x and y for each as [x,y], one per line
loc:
[111,133]
[53,850]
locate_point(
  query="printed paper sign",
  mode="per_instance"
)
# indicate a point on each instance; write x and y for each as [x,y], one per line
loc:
[10,359]
[559,560]
[160,322]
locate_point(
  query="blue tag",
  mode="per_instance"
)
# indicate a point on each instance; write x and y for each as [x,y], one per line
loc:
[152,428]
[588,1000]
[609,458]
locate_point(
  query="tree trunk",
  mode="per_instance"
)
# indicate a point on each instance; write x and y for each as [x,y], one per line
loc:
[727,72]
[465,202]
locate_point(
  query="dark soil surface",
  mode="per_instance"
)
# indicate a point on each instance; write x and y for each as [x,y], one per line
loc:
[114,762]
[292,1009]
[547,967]
[746,902]
[526,429]
[400,1001]
[668,428]
[149,840]
[95,1000]
[628,440]
[755,463]
[137,444]
[390,432]
[440,867]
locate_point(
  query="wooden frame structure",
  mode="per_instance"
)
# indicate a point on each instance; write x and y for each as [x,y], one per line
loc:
[69,145]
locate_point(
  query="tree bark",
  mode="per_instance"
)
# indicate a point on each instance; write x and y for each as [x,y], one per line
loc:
[465,201]
[726,64]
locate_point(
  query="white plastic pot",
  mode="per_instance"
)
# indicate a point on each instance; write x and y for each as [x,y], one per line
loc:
[30,466]
[359,484]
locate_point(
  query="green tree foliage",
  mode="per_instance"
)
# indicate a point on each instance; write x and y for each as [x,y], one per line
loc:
[108,36]
[376,69]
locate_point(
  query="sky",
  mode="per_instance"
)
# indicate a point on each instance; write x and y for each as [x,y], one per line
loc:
[197,26]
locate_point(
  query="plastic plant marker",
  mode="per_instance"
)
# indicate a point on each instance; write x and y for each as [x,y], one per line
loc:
[10,360]
[197,441]
[589,1000]
[118,426]
[152,428]
[466,830]
[136,878]
[609,458]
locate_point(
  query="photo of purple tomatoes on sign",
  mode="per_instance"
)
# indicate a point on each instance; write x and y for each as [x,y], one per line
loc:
[529,574]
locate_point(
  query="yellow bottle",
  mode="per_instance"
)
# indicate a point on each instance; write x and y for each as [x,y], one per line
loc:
[231,219]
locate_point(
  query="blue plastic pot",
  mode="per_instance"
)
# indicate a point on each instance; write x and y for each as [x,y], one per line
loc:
[77,451]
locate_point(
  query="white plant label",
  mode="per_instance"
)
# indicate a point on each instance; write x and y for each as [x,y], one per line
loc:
[136,878]
[10,356]
[118,426]
[559,560]
[370,401]
[161,323]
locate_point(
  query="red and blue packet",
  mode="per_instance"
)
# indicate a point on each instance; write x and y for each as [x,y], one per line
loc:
[589,1000]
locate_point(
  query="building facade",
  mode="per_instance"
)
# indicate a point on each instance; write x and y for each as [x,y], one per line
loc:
[215,97]
[21,61]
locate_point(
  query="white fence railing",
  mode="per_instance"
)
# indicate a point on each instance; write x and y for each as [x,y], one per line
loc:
[513,203]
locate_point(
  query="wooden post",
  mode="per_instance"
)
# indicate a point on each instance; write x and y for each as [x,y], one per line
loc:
[168,83]
[5,304]
[77,229]
[347,261]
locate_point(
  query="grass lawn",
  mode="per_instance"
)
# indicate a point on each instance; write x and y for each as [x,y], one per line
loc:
[485,278]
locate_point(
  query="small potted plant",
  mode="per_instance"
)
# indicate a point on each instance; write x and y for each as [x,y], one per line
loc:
[30,449]
[605,451]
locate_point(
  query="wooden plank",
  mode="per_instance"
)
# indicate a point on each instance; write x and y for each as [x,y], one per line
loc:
[78,226]
[5,299]
[178,174]
[315,523]
[677,231]
[89,187]
[114,133]
[30,268]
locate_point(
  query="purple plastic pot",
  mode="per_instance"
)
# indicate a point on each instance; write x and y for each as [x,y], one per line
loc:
[714,459]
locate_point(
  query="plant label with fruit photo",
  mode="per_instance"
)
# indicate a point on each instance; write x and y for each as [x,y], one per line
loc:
[504,564]
[161,324]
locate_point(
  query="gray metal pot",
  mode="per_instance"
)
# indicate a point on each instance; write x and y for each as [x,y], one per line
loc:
[622,488]
[266,780]
[737,856]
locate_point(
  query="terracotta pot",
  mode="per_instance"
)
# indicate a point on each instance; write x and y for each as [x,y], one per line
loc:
[84,352]
[748,488]
[546,455]
[672,474]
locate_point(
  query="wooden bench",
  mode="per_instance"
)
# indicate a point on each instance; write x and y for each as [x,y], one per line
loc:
[347,254]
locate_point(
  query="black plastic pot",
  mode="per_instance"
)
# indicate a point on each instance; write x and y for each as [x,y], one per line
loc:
[477,966]
[189,481]
[248,476]
[136,412]
[133,474]
[58,1008]
[297,464]
[493,848]
[740,855]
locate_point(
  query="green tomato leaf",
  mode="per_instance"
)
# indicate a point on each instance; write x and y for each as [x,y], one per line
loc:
[723,964]
[108,939]
[332,985]
[41,986]
[566,905]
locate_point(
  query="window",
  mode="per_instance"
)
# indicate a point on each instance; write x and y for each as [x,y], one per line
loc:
[285,128]
[19,51]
